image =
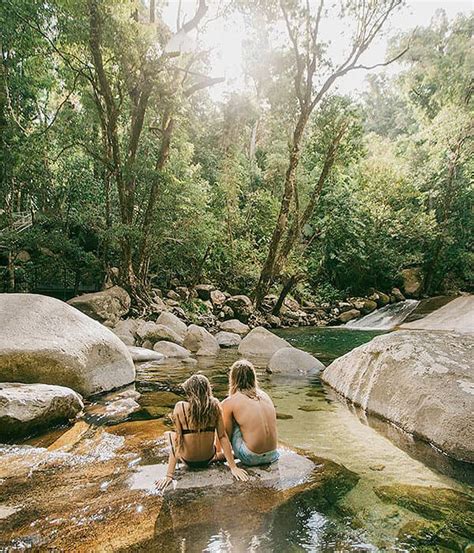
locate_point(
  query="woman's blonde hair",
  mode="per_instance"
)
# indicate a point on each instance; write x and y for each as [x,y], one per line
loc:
[243,378]
[203,409]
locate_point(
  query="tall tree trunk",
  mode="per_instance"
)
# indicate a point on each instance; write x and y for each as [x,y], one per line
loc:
[268,271]
[289,285]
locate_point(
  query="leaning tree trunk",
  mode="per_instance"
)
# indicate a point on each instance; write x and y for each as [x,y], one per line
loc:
[268,271]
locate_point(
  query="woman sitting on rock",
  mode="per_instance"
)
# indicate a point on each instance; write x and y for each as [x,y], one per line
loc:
[197,421]
[250,417]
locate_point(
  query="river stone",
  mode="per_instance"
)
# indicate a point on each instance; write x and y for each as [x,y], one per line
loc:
[228,339]
[107,306]
[144,354]
[235,326]
[173,322]
[450,515]
[261,342]
[153,332]
[25,408]
[241,305]
[421,381]
[217,298]
[347,316]
[397,294]
[45,340]
[198,340]
[126,330]
[456,316]
[169,349]
[207,500]
[291,361]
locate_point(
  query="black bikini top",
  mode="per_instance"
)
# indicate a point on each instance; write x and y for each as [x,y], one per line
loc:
[197,431]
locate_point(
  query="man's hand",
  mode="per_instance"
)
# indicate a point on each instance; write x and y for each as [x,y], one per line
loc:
[163,483]
[240,474]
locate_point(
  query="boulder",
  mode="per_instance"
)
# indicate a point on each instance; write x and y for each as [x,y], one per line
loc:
[419,380]
[45,340]
[455,316]
[235,326]
[174,296]
[397,294]
[126,330]
[412,282]
[226,313]
[173,322]
[26,408]
[218,298]
[199,341]
[367,307]
[242,306]
[153,332]
[204,291]
[273,320]
[382,299]
[144,354]
[228,339]
[291,361]
[261,342]
[107,306]
[169,349]
[183,292]
[347,316]
[120,410]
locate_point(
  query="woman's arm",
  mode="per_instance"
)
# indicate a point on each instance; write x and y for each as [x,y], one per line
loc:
[172,459]
[227,415]
[237,472]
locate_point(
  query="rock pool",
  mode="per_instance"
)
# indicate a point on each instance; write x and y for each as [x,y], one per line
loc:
[354,483]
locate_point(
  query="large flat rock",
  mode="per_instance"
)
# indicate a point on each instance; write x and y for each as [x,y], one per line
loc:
[45,340]
[456,316]
[422,381]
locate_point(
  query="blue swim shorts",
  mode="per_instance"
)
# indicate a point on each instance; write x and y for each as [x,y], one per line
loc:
[248,457]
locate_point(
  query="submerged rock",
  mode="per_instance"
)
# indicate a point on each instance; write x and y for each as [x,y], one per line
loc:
[45,340]
[421,381]
[261,342]
[107,306]
[26,408]
[201,342]
[450,515]
[291,361]
[210,499]
[228,339]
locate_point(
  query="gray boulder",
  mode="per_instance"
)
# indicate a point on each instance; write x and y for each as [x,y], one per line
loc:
[261,342]
[290,361]
[145,354]
[107,306]
[26,408]
[201,342]
[45,340]
[172,322]
[228,339]
[242,306]
[153,332]
[421,381]
[217,298]
[126,330]
[235,326]
[347,316]
[169,349]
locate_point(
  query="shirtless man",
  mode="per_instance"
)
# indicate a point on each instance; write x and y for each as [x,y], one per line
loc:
[250,417]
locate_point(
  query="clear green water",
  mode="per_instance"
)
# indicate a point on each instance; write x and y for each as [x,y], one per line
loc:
[314,418]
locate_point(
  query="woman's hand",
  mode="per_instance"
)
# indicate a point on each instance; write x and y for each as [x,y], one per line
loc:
[163,483]
[239,474]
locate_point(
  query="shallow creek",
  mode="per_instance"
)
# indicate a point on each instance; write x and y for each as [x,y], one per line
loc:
[91,487]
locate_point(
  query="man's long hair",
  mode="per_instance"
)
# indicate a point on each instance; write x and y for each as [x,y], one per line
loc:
[243,379]
[203,409]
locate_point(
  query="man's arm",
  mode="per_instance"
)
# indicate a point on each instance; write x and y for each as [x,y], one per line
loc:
[228,416]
